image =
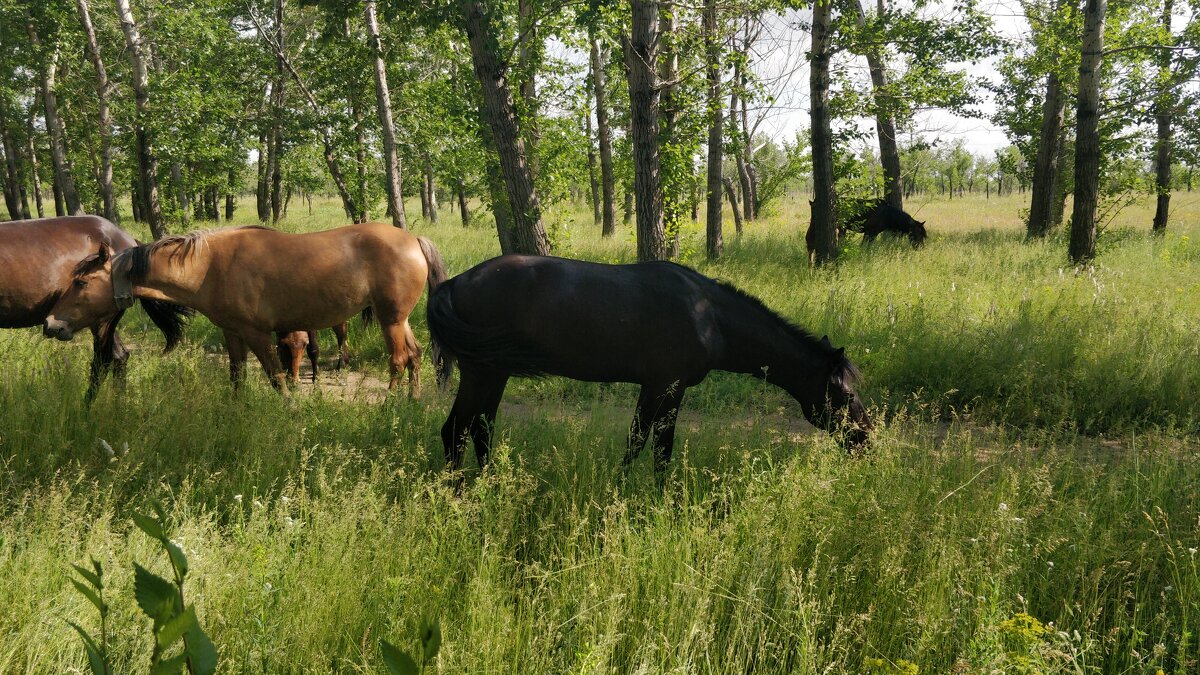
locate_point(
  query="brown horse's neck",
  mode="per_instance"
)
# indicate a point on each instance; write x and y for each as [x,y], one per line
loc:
[173,277]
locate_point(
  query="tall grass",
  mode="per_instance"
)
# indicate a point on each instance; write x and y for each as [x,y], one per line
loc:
[1030,505]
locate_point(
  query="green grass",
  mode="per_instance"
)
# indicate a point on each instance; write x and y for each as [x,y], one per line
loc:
[1036,456]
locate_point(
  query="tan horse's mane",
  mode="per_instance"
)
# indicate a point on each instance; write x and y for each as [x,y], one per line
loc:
[136,260]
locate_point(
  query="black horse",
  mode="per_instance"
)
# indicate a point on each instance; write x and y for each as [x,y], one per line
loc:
[875,216]
[656,324]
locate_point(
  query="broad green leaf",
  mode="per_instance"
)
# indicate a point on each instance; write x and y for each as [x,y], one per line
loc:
[95,661]
[397,662]
[171,666]
[150,526]
[178,559]
[88,640]
[431,639]
[90,595]
[92,577]
[155,595]
[174,629]
[201,651]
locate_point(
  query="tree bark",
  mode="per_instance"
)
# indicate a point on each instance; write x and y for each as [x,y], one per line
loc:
[608,206]
[431,190]
[1045,168]
[527,233]
[674,188]
[593,179]
[1163,112]
[641,61]
[360,161]
[822,239]
[109,207]
[739,157]
[147,161]
[714,221]
[731,193]
[1087,139]
[383,99]
[230,188]
[885,123]
[19,208]
[527,55]
[63,178]
[461,190]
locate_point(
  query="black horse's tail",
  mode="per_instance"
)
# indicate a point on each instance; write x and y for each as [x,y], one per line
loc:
[170,319]
[443,361]
[462,341]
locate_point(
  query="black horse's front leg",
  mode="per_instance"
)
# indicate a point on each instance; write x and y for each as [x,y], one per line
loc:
[654,421]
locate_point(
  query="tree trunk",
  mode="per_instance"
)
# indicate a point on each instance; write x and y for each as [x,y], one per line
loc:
[641,60]
[262,193]
[527,55]
[716,132]
[593,179]
[182,202]
[822,239]
[230,194]
[674,167]
[16,177]
[1163,113]
[360,161]
[431,190]
[885,124]
[63,179]
[109,207]
[604,139]
[147,162]
[731,193]
[1061,185]
[461,190]
[383,100]
[739,158]
[528,234]
[1087,139]
[1045,168]
[278,100]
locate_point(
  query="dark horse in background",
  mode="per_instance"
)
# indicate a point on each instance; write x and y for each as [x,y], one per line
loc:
[656,324]
[37,264]
[873,217]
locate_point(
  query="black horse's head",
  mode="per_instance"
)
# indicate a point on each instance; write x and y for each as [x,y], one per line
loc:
[841,411]
[917,233]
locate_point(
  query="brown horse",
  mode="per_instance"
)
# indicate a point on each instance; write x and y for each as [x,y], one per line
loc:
[292,347]
[245,280]
[37,263]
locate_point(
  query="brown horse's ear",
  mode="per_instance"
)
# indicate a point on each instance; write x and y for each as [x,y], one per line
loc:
[121,285]
[103,254]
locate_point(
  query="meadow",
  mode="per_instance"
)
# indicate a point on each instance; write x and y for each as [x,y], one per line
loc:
[1031,502]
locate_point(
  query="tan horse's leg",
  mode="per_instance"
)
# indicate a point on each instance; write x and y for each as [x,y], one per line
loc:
[397,336]
[414,362]
[236,348]
[260,344]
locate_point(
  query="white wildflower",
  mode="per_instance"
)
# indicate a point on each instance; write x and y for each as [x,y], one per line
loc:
[107,449]
[285,499]
[237,498]
[1002,507]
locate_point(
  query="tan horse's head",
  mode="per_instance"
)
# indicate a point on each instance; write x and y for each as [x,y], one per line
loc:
[90,298]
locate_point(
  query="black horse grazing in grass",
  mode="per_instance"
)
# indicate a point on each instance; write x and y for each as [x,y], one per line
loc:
[656,324]
[877,216]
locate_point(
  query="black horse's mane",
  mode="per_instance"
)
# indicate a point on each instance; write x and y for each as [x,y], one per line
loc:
[184,245]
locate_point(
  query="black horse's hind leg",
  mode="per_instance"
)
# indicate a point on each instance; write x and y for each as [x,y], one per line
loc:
[654,421]
[314,351]
[108,354]
[474,414]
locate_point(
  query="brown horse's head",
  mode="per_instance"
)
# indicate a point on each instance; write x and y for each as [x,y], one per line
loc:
[843,412]
[88,300]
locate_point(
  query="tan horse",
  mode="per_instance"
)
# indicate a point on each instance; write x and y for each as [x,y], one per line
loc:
[253,282]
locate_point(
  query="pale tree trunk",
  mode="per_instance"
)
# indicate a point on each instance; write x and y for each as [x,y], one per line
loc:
[360,161]
[383,99]
[1087,138]
[608,206]
[278,97]
[105,117]
[527,233]
[1061,172]
[147,162]
[731,193]
[431,190]
[641,61]
[1045,168]
[822,235]
[885,124]
[1163,112]
[739,159]
[330,153]
[63,179]
[716,132]
[182,203]
[593,179]
[31,149]
[747,150]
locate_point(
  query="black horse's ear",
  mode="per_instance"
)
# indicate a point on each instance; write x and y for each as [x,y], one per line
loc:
[825,341]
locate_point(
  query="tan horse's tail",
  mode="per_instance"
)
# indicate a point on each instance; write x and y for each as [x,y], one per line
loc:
[443,363]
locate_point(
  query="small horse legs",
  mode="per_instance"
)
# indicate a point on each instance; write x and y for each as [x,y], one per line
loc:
[236,348]
[405,355]
[654,420]
[262,346]
[339,331]
[108,354]
[473,415]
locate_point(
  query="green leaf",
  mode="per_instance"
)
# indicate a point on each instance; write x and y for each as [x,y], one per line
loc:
[174,629]
[92,577]
[155,595]
[431,639]
[397,662]
[95,660]
[90,595]
[150,526]
[202,653]
[171,666]
[178,559]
